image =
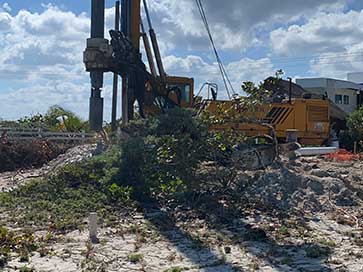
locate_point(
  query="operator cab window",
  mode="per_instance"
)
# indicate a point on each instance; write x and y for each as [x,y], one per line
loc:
[338,99]
[185,91]
[186,94]
[346,99]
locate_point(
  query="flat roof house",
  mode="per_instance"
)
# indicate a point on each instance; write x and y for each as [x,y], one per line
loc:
[346,95]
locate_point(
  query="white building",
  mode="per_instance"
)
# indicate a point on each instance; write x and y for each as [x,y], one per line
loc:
[346,94]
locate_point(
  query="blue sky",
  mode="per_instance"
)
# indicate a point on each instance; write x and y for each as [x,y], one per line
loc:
[41,45]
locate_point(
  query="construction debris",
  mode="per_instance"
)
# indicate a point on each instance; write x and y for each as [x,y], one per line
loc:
[10,180]
[313,151]
[343,155]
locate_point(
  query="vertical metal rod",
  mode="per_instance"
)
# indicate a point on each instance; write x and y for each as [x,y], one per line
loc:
[98,19]
[125,110]
[115,76]
[149,54]
[155,45]
[125,28]
[147,15]
[290,89]
[96,101]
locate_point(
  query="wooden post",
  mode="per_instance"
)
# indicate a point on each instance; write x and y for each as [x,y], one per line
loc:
[115,76]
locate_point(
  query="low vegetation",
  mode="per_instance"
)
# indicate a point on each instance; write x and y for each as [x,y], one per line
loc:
[62,201]
[11,242]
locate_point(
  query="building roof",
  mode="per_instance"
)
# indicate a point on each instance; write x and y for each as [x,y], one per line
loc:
[332,83]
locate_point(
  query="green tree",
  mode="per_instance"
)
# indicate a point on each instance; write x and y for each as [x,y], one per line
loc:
[60,119]
[355,124]
[354,131]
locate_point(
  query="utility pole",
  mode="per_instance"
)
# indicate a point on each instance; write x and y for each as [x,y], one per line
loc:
[115,75]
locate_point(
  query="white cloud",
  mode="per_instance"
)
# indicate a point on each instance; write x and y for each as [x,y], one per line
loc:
[332,40]
[326,32]
[234,23]
[5,22]
[39,97]
[44,50]
[239,71]
[42,53]
[6,7]
[338,65]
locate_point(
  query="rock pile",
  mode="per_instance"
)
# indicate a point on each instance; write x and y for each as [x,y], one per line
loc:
[73,155]
[309,184]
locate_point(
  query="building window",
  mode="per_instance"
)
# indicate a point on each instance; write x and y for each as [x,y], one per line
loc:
[346,99]
[338,99]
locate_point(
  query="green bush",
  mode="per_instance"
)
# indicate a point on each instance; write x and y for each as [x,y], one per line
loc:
[163,154]
[354,131]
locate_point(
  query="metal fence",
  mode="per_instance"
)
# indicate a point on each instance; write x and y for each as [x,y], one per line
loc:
[17,134]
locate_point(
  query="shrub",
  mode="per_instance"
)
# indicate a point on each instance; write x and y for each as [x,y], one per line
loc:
[355,130]
[135,258]
[162,155]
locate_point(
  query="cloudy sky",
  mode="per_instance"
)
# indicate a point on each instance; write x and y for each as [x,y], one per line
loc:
[41,45]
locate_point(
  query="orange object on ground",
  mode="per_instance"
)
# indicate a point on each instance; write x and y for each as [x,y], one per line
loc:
[342,155]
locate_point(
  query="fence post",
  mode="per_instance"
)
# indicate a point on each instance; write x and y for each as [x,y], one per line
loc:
[83,136]
[93,227]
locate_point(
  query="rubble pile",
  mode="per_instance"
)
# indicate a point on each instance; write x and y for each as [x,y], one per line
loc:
[73,155]
[310,184]
[10,180]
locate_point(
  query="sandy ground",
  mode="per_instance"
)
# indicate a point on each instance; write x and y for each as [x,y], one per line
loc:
[176,248]
[326,236]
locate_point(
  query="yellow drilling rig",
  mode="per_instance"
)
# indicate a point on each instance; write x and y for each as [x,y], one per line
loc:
[155,90]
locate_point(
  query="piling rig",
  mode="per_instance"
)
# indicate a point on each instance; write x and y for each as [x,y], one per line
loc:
[153,91]
[156,91]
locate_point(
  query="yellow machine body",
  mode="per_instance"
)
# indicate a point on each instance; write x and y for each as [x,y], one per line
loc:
[310,117]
